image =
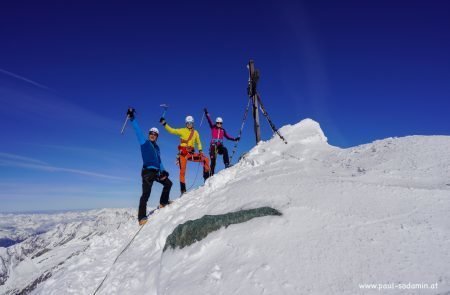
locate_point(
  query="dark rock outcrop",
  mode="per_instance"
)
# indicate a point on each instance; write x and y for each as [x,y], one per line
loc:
[195,230]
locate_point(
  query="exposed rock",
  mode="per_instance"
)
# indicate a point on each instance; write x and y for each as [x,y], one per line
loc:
[195,230]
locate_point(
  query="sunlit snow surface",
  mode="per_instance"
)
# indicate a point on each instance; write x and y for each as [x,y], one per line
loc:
[373,214]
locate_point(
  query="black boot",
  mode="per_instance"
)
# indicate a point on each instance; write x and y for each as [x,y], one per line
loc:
[182,187]
[206,175]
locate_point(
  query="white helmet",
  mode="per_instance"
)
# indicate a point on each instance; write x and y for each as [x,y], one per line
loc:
[154,129]
[189,119]
[219,120]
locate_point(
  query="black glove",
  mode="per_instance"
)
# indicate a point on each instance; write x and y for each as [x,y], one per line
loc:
[162,121]
[206,111]
[130,113]
[237,138]
[164,174]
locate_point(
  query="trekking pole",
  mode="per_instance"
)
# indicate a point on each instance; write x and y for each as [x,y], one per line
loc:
[240,131]
[274,129]
[201,121]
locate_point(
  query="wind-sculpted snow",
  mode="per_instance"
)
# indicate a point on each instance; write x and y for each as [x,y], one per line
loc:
[371,214]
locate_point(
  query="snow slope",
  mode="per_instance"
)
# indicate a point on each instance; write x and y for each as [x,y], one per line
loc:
[372,214]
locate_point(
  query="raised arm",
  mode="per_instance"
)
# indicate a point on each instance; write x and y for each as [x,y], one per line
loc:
[140,135]
[172,130]
[211,125]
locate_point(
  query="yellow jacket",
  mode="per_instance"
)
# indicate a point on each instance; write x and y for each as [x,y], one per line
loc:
[184,133]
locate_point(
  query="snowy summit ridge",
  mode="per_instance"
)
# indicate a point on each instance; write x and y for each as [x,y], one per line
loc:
[371,214]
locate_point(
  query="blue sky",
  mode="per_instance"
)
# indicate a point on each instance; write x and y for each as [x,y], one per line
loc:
[365,70]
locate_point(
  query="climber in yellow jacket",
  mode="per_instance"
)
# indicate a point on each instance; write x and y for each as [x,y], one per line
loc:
[189,137]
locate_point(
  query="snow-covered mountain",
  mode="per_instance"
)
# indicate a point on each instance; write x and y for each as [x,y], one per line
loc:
[49,243]
[360,220]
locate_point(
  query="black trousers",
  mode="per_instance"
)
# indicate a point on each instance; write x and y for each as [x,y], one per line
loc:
[221,150]
[148,177]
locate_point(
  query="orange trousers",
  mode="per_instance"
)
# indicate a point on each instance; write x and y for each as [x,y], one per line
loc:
[194,157]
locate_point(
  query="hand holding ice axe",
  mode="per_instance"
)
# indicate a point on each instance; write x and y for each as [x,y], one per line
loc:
[130,115]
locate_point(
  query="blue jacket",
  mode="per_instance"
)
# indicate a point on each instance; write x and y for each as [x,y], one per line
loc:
[150,150]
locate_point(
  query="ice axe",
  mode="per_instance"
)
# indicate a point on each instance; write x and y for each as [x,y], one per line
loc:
[165,107]
[131,111]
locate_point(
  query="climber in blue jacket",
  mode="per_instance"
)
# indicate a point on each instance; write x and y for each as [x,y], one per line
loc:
[152,168]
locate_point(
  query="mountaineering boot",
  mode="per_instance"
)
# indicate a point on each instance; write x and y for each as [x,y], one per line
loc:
[164,205]
[143,221]
[206,174]
[182,187]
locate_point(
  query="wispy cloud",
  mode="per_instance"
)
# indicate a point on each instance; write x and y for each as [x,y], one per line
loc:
[24,79]
[46,105]
[12,160]
[88,151]
[20,158]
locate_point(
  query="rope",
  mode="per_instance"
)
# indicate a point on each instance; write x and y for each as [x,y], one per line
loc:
[124,249]
[240,131]
[292,156]
[195,179]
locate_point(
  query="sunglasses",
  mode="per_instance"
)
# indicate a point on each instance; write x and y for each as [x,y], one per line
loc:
[153,133]
[218,123]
